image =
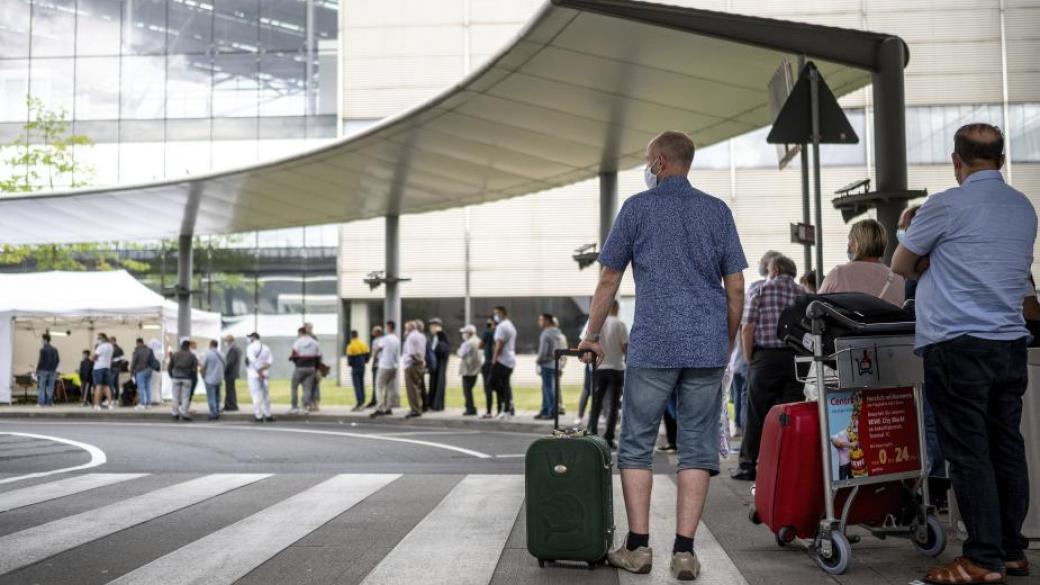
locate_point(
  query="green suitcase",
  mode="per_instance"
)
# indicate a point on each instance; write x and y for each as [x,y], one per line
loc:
[570,502]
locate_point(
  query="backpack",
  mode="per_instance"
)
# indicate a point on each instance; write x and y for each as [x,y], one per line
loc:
[153,363]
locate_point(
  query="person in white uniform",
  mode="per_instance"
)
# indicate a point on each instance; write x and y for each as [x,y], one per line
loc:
[258,362]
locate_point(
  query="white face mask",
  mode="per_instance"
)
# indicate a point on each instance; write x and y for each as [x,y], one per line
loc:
[900,234]
[649,177]
[497,318]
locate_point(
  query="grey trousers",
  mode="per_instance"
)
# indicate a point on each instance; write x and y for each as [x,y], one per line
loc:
[384,388]
[306,378]
[181,396]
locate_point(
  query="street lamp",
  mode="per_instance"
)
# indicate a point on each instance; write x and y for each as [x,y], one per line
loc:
[378,277]
[585,256]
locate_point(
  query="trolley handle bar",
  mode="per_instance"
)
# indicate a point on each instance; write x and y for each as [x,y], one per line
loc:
[557,354]
[818,310]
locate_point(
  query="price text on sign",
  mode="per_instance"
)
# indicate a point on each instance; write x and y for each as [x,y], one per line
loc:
[890,444]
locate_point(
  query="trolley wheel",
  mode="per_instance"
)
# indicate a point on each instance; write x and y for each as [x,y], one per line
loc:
[841,554]
[785,535]
[753,515]
[935,543]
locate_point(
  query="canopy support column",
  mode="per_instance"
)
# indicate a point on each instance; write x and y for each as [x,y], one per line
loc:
[392,270]
[184,251]
[608,192]
[890,136]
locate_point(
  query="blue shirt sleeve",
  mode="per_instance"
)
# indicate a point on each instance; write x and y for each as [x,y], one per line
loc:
[617,250]
[928,227]
[732,256]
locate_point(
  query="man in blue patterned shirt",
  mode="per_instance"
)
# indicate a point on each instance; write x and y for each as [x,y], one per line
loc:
[687,263]
[771,373]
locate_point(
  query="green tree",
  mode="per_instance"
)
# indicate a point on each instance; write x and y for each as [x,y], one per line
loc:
[43,155]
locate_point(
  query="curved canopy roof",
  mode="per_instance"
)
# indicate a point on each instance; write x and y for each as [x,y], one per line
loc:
[581,90]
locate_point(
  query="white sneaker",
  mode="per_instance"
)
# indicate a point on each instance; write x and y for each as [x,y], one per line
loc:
[109,407]
[39,406]
[97,408]
[139,407]
[577,421]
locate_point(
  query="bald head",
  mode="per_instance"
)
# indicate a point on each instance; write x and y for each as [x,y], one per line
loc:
[977,147]
[670,153]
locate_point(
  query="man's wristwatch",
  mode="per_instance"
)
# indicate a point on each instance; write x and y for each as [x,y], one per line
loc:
[591,337]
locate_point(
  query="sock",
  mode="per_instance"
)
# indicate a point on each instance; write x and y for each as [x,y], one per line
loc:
[635,541]
[682,544]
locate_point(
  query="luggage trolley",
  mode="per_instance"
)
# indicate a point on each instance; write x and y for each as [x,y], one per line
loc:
[877,372]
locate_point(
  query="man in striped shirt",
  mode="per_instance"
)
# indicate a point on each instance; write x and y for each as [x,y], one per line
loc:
[771,376]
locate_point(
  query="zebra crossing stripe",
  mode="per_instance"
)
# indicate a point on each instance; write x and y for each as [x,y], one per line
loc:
[231,552]
[716,566]
[461,540]
[59,489]
[40,542]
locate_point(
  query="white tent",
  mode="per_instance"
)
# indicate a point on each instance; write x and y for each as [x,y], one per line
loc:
[75,305]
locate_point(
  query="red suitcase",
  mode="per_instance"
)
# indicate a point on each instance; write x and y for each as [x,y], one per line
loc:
[789,490]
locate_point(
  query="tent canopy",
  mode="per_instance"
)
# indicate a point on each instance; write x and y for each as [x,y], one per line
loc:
[581,90]
[63,299]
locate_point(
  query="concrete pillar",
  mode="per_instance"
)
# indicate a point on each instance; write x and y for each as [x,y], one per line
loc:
[392,270]
[890,135]
[184,270]
[608,191]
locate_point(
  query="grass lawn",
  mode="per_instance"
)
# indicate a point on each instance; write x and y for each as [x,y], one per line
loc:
[524,398]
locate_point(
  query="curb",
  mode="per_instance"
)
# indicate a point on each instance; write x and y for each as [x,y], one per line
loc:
[455,422]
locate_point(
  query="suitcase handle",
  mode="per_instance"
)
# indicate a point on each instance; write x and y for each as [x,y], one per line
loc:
[818,310]
[557,354]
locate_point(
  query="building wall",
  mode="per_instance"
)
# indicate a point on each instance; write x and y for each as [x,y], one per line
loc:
[398,53]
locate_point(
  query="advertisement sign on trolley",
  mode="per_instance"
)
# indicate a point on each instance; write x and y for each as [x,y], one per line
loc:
[872,433]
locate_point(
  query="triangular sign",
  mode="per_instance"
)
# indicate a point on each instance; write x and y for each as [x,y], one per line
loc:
[794,123]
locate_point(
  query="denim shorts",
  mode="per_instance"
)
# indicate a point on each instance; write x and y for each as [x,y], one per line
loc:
[647,391]
[102,377]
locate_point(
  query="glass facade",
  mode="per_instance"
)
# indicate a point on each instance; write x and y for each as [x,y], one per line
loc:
[173,87]
[169,88]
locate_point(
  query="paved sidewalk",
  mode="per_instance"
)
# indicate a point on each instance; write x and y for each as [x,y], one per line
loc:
[523,422]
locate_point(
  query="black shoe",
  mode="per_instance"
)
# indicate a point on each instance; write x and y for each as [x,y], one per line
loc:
[470,413]
[258,420]
[743,474]
[226,409]
[613,445]
[175,417]
[214,417]
[541,417]
[186,418]
[413,415]
[268,419]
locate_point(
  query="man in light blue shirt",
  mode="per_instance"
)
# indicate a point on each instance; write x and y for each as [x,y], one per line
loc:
[971,248]
[687,262]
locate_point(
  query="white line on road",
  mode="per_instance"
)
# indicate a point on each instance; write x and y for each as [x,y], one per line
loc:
[61,488]
[409,433]
[97,457]
[461,540]
[40,542]
[232,552]
[268,429]
[717,567]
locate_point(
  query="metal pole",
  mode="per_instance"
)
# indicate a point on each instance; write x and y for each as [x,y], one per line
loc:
[392,300]
[806,212]
[184,270]
[814,91]
[468,301]
[608,190]
[890,135]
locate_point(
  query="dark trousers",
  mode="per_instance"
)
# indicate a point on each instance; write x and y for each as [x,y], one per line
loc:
[438,386]
[975,387]
[671,429]
[468,382]
[608,388]
[771,381]
[500,383]
[115,383]
[375,387]
[230,396]
[357,378]
[489,393]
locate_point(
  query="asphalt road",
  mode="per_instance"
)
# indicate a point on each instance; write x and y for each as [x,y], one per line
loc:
[86,503]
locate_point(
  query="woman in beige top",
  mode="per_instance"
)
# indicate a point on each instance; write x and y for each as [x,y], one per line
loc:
[865,273]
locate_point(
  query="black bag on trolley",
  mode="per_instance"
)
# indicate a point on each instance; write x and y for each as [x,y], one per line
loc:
[844,315]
